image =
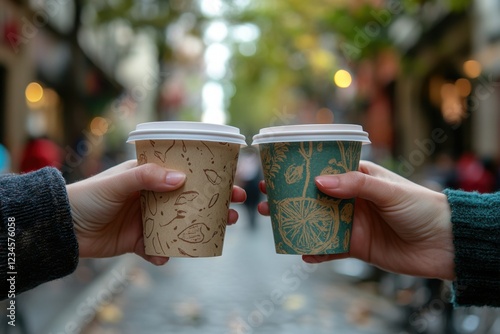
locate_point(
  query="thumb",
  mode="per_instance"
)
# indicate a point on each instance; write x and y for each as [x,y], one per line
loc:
[146,177]
[357,184]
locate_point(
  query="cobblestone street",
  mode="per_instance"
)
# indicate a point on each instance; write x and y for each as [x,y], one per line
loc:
[249,289]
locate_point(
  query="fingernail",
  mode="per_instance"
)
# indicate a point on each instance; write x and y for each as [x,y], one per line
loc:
[328,181]
[159,261]
[174,178]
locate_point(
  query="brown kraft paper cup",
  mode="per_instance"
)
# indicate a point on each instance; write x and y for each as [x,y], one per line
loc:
[191,221]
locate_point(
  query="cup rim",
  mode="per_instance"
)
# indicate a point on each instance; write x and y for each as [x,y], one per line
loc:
[311,132]
[186,130]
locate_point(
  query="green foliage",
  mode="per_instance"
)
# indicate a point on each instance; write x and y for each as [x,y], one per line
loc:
[292,31]
[289,59]
[301,45]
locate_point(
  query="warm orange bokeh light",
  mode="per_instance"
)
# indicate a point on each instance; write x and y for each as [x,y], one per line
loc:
[472,68]
[99,126]
[452,107]
[34,92]
[463,86]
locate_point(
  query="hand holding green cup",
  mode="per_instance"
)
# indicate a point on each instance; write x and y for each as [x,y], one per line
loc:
[304,220]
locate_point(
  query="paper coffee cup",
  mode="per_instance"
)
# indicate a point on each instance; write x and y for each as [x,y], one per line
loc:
[304,220]
[190,221]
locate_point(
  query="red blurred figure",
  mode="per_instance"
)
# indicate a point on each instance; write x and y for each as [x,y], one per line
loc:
[39,153]
[472,175]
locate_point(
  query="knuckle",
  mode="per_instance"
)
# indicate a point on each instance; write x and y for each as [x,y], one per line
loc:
[145,173]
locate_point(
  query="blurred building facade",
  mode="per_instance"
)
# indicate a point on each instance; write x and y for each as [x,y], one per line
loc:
[51,88]
[486,48]
[429,117]
[448,101]
[16,71]
[435,106]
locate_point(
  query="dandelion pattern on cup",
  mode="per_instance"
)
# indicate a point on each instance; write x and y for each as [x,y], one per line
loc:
[308,222]
[192,220]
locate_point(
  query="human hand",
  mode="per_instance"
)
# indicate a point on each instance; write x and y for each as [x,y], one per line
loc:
[398,225]
[107,213]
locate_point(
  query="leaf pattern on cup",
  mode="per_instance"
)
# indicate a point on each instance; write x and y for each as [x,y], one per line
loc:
[180,215]
[162,156]
[328,170]
[294,174]
[152,203]
[213,200]
[346,213]
[347,156]
[148,227]
[194,233]
[187,196]
[347,239]
[142,159]
[213,176]
[271,157]
[144,205]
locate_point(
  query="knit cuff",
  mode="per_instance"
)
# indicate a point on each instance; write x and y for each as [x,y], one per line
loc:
[476,230]
[46,248]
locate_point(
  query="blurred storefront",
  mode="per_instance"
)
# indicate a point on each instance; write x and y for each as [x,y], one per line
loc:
[52,88]
[422,108]
[486,46]
[16,71]
[447,100]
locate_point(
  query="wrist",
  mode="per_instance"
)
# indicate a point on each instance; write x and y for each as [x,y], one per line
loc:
[443,221]
[75,216]
[476,230]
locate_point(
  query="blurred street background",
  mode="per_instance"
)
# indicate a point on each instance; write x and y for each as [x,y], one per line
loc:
[421,76]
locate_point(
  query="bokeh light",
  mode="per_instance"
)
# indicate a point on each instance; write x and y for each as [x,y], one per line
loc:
[99,126]
[34,92]
[324,116]
[342,78]
[472,68]
[463,86]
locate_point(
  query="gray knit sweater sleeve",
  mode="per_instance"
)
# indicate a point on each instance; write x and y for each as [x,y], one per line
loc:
[37,240]
[476,231]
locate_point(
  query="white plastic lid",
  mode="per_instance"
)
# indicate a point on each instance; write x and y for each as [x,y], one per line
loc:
[186,131]
[311,132]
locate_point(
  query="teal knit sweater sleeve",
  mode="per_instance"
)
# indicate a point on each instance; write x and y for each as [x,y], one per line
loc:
[37,239]
[476,231]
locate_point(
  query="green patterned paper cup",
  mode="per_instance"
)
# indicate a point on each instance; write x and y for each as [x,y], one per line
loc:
[304,220]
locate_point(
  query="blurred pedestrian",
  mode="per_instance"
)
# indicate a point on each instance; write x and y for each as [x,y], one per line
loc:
[472,174]
[406,228]
[4,160]
[441,173]
[248,176]
[39,153]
